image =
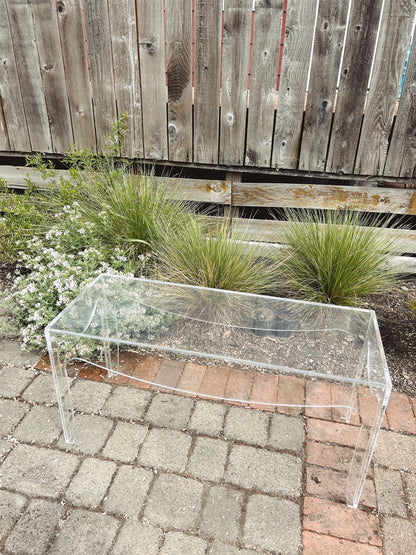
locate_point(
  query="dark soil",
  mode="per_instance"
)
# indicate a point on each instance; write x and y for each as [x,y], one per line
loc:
[7,272]
[397,323]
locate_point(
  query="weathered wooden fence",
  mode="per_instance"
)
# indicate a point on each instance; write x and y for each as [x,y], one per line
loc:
[305,87]
[200,83]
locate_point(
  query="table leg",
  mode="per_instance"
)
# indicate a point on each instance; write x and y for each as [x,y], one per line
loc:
[364,448]
[63,393]
[112,360]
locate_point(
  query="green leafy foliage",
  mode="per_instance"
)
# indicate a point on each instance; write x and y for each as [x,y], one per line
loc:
[21,216]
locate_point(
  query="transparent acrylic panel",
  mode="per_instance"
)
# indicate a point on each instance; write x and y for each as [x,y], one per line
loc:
[277,334]
[337,345]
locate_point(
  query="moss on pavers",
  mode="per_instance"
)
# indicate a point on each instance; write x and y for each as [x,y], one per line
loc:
[174,502]
[399,535]
[89,396]
[272,524]
[172,411]
[219,548]
[90,434]
[286,433]
[222,513]
[127,403]
[11,505]
[41,425]
[177,542]
[208,418]
[13,380]
[208,458]
[395,450]
[42,389]
[250,426]
[125,441]
[165,449]
[11,413]
[390,494]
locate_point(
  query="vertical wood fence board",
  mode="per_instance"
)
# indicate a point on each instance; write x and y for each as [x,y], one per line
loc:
[329,38]
[4,141]
[207,70]
[153,77]
[76,70]
[235,63]
[355,73]
[53,75]
[401,157]
[179,73]
[11,99]
[123,31]
[299,31]
[389,62]
[264,67]
[66,76]
[101,67]
[30,80]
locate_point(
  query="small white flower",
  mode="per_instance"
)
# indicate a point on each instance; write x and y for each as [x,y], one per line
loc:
[31,288]
[58,285]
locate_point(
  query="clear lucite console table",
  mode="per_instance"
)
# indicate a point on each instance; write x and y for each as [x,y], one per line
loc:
[271,335]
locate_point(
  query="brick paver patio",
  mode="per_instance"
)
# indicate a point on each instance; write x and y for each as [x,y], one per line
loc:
[152,472]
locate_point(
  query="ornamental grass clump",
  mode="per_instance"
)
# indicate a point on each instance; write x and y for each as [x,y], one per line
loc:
[125,209]
[130,211]
[210,256]
[337,257]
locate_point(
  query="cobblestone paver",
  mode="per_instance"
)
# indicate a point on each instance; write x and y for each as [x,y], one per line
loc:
[154,473]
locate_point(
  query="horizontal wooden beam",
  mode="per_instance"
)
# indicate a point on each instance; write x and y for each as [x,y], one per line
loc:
[18,176]
[284,195]
[272,231]
[330,197]
[198,190]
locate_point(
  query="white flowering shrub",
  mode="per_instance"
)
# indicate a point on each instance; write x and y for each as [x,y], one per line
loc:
[54,268]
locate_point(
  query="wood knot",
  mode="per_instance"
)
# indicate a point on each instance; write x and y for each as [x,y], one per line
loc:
[148,44]
[218,187]
[172,131]
[230,118]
